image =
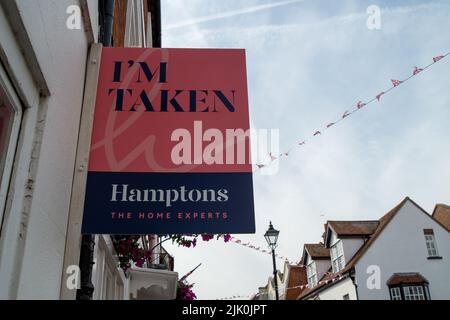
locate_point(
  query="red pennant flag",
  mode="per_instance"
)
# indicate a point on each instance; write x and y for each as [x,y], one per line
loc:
[272,158]
[330,124]
[316,133]
[417,70]
[360,104]
[346,114]
[436,59]
[379,95]
[395,82]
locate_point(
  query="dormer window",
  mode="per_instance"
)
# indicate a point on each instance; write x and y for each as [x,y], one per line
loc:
[337,257]
[430,242]
[408,286]
[311,272]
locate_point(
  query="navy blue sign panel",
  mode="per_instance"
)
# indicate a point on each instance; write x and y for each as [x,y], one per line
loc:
[168,203]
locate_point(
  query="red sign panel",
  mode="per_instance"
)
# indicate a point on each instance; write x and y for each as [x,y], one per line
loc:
[170,144]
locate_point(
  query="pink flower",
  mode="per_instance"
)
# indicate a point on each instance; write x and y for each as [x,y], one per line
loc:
[226,238]
[207,237]
[186,244]
[140,262]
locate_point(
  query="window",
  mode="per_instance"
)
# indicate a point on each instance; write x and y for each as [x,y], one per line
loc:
[430,242]
[337,256]
[414,293]
[311,273]
[395,294]
[346,297]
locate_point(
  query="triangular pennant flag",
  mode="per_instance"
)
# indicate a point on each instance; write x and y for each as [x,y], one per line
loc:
[436,59]
[317,133]
[301,143]
[346,114]
[260,166]
[330,124]
[417,70]
[379,95]
[395,82]
[360,104]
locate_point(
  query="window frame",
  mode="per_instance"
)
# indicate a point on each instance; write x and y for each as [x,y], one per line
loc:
[311,274]
[431,243]
[412,291]
[398,293]
[406,286]
[12,98]
[337,258]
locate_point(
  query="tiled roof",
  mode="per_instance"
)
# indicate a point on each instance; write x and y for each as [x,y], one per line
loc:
[325,281]
[354,228]
[399,278]
[317,251]
[384,220]
[441,214]
[297,277]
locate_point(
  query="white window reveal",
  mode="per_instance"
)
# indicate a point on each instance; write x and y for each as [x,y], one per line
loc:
[311,272]
[430,242]
[10,117]
[337,256]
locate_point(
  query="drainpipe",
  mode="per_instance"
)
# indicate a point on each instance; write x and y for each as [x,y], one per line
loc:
[352,274]
[108,20]
[106,8]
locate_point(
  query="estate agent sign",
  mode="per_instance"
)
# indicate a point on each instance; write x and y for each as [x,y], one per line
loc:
[170,148]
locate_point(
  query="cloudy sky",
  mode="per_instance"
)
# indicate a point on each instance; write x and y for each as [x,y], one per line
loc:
[307,62]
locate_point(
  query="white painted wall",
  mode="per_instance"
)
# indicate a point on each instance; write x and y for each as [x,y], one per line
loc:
[351,246]
[401,248]
[337,291]
[61,54]
[322,267]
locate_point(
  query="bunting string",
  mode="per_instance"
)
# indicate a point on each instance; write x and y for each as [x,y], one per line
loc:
[259,249]
[359,106]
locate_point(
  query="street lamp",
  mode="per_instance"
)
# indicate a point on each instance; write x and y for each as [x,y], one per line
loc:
[271,236]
